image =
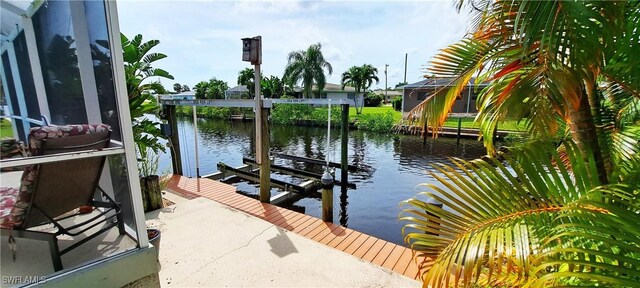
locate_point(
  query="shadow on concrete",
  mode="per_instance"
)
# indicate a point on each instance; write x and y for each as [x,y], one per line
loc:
[281,245]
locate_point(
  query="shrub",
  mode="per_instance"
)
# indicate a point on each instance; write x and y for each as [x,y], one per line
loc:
[396,103]
[382,123]
[372,100]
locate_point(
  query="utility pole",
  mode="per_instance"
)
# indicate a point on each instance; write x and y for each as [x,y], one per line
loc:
[386,97]
[405,67]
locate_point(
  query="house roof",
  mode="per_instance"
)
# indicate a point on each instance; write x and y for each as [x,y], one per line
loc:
[438,82]
[329,87]
[239,88]
[389,92]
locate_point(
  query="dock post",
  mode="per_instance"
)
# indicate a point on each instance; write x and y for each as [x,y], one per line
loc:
[174,140]
[265,162]
[344,169]
[327,197]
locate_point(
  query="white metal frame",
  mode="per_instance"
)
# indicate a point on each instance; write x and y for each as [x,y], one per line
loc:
[85,64]
[17,85]
[7,98]
[34,59]
[125,120]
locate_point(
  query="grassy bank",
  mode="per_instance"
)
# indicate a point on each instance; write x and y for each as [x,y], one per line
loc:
[6,130]
[379,119]
[508,125]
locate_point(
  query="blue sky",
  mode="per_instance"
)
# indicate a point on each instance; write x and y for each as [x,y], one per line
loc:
[202,38]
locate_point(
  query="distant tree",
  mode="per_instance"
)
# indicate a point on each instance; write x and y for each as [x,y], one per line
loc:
[360,77]
[307,67]
[185,88]
[246,77]
[401,84]
[201,89]
[272,87]
[216,89]
[158,88]
[212,89]
[177,87]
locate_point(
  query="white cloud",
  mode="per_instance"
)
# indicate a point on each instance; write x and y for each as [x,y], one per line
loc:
[202,39]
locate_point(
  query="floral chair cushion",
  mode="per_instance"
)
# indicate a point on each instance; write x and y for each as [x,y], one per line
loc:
[36,138]
[12,148]
[8,197]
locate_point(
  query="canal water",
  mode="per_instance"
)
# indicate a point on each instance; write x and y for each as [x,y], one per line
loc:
[390,166]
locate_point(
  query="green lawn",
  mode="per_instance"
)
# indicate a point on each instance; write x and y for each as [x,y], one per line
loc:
[508,125]
[5,128]
[375,110]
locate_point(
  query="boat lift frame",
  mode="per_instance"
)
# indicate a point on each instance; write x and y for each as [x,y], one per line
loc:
[169,103]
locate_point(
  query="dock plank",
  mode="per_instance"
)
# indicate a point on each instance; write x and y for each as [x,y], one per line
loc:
[364,248]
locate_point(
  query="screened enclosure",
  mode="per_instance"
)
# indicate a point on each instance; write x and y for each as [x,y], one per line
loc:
[70,190]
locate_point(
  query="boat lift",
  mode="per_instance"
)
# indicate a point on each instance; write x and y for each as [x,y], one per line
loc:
[258,175]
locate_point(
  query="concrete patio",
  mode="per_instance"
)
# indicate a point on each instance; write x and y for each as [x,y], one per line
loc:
[205,243]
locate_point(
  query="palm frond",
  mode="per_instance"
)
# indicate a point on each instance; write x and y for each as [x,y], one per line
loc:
[496,217]
[597,242]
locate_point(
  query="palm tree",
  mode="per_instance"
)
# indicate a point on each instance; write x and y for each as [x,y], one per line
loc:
[246,77]
[177,87]
[542,69]
[361,78]
[552,215]
[307,67]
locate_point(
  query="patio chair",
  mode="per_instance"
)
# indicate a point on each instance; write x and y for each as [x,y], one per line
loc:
[50,191]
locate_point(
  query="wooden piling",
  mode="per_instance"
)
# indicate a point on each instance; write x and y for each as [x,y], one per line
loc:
[174,146]
[265,162]
[327,197]
[344,129]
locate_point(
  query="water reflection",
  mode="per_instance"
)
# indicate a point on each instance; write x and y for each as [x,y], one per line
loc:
[392,166]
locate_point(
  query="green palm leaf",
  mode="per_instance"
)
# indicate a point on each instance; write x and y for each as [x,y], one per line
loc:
[498,219]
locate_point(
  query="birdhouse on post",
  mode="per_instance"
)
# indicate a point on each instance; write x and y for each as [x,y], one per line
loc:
[252,50]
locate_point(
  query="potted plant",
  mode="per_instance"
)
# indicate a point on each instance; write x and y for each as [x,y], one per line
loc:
[154,239]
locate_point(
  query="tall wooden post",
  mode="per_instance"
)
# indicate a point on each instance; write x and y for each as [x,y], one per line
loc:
[252,52]
[344,144]
[265,162]
[174,146]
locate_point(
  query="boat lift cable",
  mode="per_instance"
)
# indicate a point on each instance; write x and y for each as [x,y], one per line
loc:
[195,141]
[328,134]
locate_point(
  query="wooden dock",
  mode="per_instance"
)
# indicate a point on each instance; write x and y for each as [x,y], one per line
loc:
[377,251]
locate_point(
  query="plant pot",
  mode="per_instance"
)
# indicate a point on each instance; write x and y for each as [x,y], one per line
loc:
[154,239]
